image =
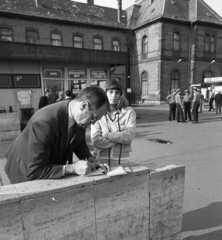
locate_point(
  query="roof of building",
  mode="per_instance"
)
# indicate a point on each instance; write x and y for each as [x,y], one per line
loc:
[66,10]
[145,11]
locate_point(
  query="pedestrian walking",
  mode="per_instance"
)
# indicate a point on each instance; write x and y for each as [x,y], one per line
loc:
[201,101]
[172,104]
[218,102]
[196,104]
[187,105]
[179,104]
[211,102]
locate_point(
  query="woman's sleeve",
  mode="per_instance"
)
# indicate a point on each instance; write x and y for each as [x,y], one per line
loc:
[97,139]
[127,135]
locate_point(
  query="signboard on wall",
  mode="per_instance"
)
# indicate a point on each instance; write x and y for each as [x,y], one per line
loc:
[77,73]
[98,74]
[24,97]
[52,73]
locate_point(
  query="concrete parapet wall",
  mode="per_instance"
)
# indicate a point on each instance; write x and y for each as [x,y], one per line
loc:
[9,126]
[141,205]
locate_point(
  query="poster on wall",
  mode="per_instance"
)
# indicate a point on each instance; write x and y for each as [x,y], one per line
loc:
[24,97]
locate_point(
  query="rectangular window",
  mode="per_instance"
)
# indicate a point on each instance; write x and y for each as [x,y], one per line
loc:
[5,81]
[176,41]
[27,81]
[116,45]
[6,34]
[32,37]
[97,43]
[144,87]
[77,42]
[56,39]
[207,42]
[19,81]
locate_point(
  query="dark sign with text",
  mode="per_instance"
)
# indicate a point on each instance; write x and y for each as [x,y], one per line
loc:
[98,74]
[77,73]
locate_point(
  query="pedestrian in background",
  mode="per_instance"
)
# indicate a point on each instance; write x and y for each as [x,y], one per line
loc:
[172,104]
[211,102]
[44,100]
[187,105]
[179,104]
[218,102]
[68,95]
[196,104]
[201,101]
[61,97]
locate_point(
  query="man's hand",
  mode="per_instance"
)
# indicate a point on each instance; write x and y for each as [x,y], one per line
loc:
[81,168]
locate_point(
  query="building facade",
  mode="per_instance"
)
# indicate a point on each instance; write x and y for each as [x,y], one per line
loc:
[152,46]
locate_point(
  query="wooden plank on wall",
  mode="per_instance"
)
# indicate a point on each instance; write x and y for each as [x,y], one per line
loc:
[122,209]
[166,202]
[66,215]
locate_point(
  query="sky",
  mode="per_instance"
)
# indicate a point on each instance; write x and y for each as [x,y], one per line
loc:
[216,5]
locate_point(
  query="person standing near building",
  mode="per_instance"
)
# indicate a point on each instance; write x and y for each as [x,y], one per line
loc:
[61,97]
[196,104]
[179,104]
[187,105]
[68,95]
[211,102]
[201,101]
[44,100]
[172,104]
[218,102]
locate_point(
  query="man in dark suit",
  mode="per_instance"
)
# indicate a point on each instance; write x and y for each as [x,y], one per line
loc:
[44,151]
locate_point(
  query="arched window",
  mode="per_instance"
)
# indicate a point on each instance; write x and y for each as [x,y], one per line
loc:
[32,36]
[207,42]
[78,42]
[212,43]
[176,41]
[174,84]
[6,34]
[207,74]
[97,42]
[144,45]
[56,39]
[144,83]
[116,45]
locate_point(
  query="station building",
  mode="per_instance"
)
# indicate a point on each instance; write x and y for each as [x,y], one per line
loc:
[152,47]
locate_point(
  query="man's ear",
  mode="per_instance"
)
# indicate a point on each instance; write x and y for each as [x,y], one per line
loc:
[84,106]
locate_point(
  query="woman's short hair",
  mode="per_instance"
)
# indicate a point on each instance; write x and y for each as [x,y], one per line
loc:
[94,95]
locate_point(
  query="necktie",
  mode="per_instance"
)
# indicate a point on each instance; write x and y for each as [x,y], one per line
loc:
[69,151]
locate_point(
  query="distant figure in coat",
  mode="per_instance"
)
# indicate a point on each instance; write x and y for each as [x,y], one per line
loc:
[68,95]
[172,104]
[44,100]
[211,102]
[218,102]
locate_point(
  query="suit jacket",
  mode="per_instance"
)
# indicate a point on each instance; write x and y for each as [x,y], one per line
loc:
[218,98]
[40,151]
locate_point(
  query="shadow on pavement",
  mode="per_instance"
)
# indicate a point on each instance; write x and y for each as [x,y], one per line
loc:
[204,218]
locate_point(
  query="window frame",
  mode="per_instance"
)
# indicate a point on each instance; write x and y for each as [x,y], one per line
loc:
[11,31]
[174,79]
[37,35]
[144,45]
[12,79]
[176,41]
[144,90]
[101,39]
[119,45]
[80,36]
[52,40]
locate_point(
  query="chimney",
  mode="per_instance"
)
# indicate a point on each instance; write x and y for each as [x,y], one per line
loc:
[90,2]
[119,10]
